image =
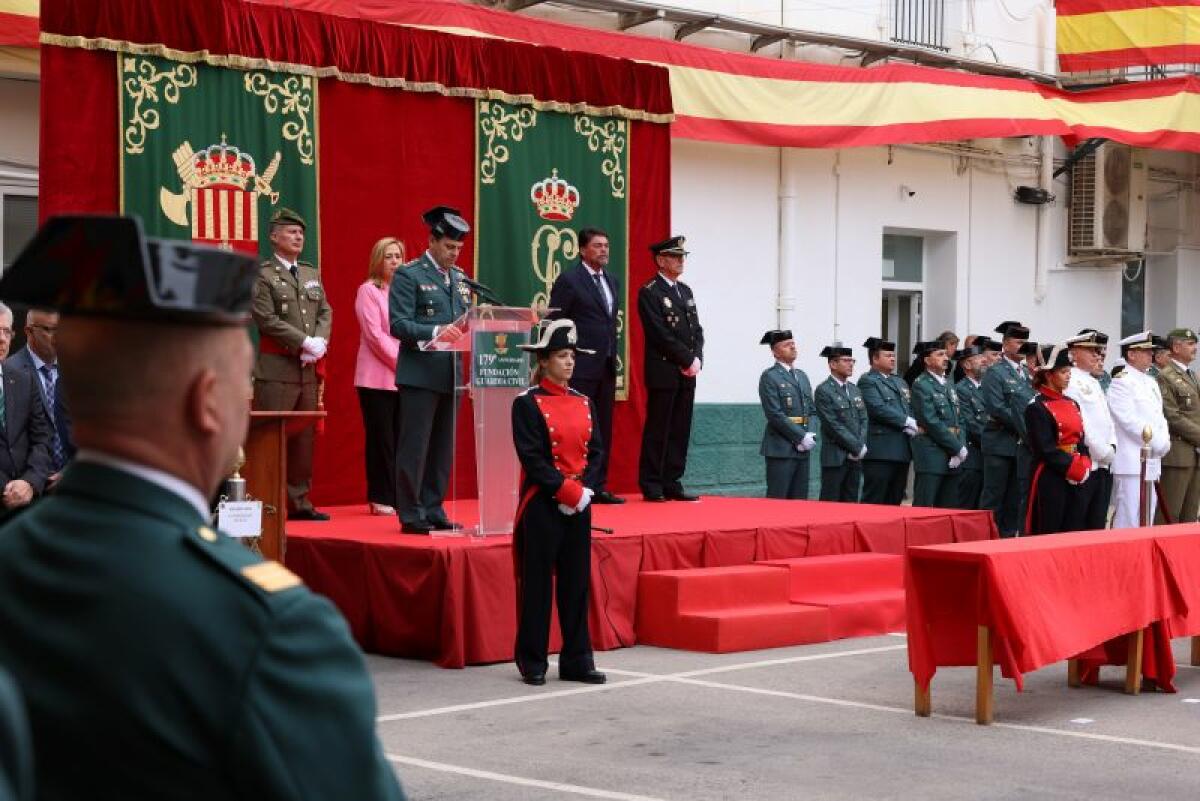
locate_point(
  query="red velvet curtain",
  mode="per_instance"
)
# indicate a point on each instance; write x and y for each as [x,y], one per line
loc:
[385,156]
[427,60]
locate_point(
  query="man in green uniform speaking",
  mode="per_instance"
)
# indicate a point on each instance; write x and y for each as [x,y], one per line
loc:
[159,658]
[787,403]
[939,448]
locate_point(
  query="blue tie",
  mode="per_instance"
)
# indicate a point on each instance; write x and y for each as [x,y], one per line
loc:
[57,453]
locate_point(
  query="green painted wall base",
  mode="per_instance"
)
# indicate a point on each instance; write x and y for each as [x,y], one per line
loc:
[723,456]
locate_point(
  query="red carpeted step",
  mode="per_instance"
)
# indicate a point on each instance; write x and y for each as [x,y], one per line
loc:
[724,609]
[864,592]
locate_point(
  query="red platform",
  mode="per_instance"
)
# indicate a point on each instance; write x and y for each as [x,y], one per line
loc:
[452,600]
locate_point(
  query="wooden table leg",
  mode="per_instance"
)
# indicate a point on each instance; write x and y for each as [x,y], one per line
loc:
[923,702]
[983,677]
[1073,673]
[1133,664]
[1196,652]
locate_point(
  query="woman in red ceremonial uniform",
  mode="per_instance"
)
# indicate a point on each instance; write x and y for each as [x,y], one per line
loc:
[1061,464]
[552,535]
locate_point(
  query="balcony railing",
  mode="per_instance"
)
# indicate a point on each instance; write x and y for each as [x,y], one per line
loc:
[920,22]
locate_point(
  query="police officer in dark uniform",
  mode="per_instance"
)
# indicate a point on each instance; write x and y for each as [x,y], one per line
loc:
[787,403]
[674,356]
[973,417]
[160,658]
[427,295]
[939,448]
[1006,391]
[843,418]
[558,444]
[887,398]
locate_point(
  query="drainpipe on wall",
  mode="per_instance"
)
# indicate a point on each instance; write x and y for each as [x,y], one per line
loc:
[789,245]
[1042,256]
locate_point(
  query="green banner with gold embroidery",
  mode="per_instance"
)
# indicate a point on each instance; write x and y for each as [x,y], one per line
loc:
[209,154]
[541,177]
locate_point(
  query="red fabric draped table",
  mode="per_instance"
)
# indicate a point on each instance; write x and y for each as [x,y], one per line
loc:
[452,600]
[1097,597]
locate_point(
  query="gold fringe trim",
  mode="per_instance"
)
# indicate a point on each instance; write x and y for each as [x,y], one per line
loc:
[247,63]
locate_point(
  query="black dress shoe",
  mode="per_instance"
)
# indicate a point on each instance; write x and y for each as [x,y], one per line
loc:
[536,679]
[587,677]
[445,524]
[653,498]
[604,496]
[418,527]
[682,496]
[307,514]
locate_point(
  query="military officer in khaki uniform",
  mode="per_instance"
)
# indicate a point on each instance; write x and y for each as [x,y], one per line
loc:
[293,319]
[1181,405]
[159,658]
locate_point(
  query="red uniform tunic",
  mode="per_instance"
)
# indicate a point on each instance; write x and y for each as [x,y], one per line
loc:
[1057,500]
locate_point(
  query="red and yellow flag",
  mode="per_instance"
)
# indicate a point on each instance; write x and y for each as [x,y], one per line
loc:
[1105,34]
[18,23]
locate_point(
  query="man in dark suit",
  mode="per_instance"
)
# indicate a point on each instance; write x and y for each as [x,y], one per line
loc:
[25,434]
[674,356]
[151,650]
[427,294]
[39,359]
[590,296]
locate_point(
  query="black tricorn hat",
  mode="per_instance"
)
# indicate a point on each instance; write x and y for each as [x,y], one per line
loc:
[1013,329]
[974,349]
[554,335]
[1160,343]
[876,343]
[670,247]
[1055,357]
[989,345]
[774,337]
[1029,348]
[835,352]
[923,349]
[104,266]
[444,221]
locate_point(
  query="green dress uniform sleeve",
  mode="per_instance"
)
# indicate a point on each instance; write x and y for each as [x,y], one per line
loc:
[1181,420]
[777,419]
[267,318]
[863,418]
[832,425]
[879,408]
[936,418]
[307,724]
[1003,400]
[402,309]
[969,412]
[16,744]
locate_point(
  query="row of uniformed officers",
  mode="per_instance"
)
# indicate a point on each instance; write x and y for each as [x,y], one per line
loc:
[1036,435]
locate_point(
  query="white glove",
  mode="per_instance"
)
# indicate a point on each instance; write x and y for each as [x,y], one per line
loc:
[962,454]
[584,500]
[307,358]
[808,443]
[692,369]
[910,426]
[955,461]
[315,346]
[859,455]
[566,510]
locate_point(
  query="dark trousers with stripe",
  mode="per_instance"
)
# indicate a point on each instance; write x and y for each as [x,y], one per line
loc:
[548,545]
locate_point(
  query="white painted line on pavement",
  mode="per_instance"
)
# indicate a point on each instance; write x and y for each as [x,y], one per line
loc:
[574,789]
[638,679]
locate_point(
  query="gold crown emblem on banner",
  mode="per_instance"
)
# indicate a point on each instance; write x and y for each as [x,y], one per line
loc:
[502,344]
[224,164]
[554,198]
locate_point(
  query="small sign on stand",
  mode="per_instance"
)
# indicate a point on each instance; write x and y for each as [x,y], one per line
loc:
[240,518]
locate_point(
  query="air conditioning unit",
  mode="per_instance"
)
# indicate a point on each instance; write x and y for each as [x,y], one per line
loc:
[1108,203]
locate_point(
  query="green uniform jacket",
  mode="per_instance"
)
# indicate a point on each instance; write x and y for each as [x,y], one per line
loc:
[787,403]
[1104,379]
[973,417]
[162,660]
[935,405]
[287,310]
[1006,392]
[1181,407]
[16,744]
[887,399]
[843,421]
[418,301]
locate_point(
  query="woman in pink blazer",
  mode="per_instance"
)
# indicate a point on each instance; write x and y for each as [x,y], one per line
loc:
[375,374]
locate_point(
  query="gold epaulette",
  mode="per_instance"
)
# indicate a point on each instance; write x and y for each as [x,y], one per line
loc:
[271,576]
